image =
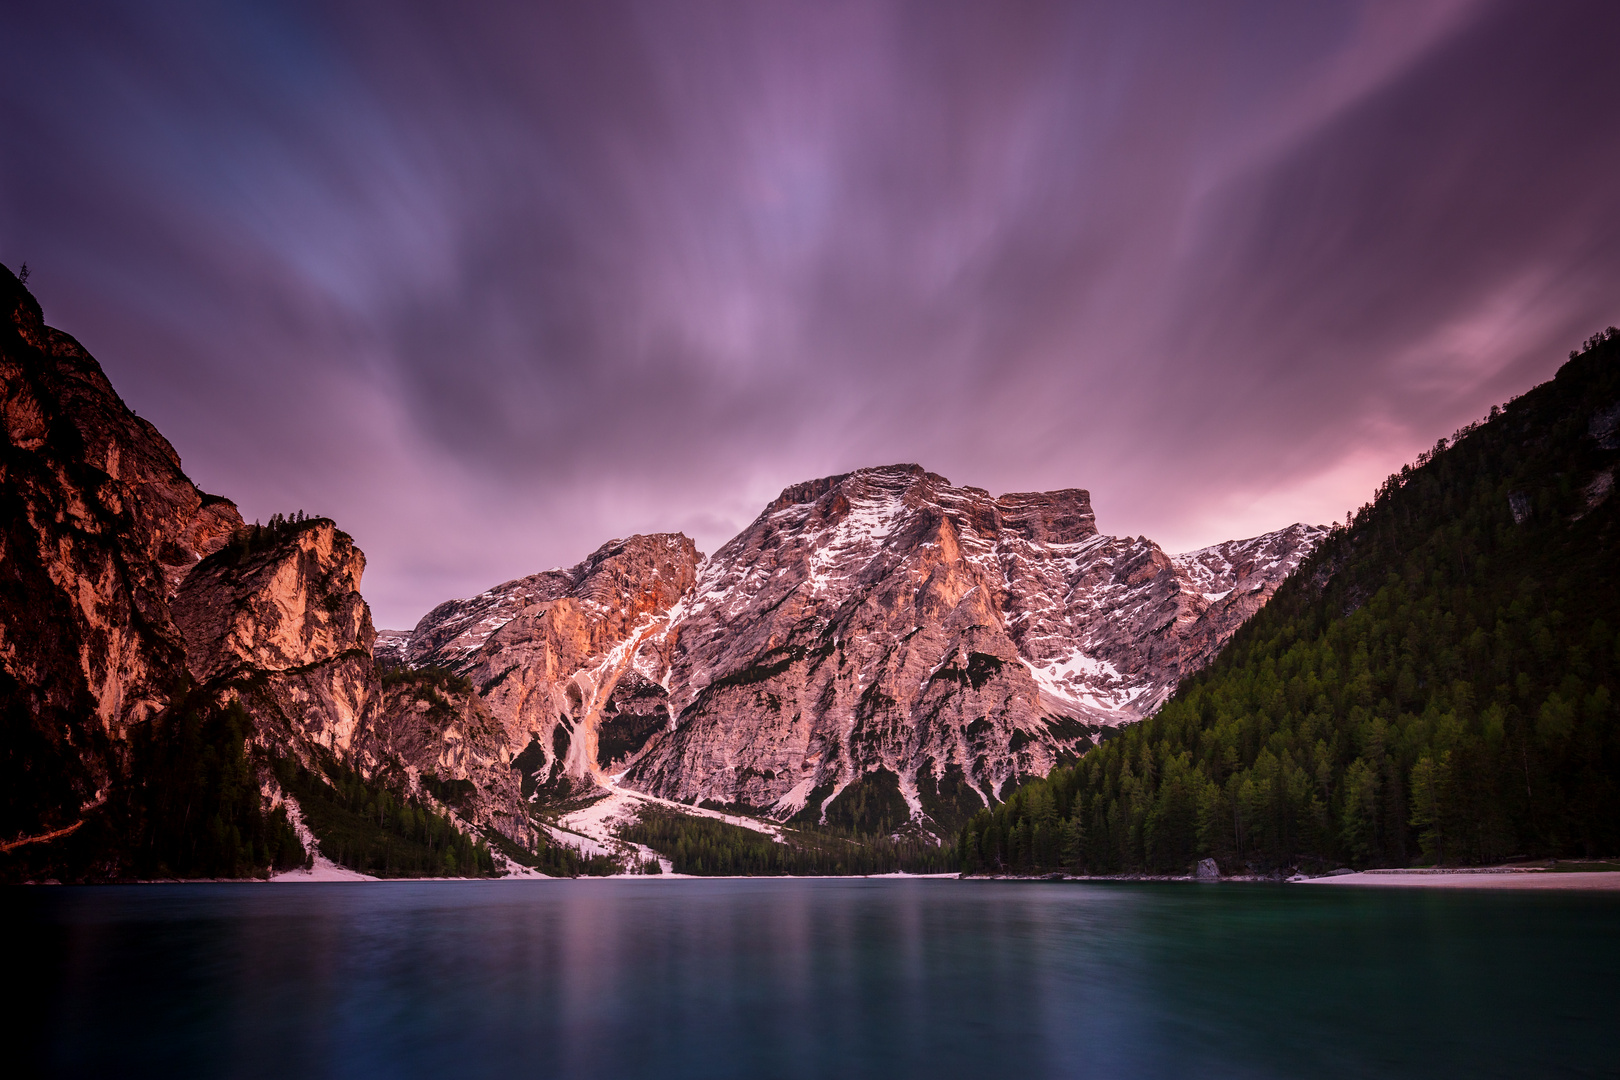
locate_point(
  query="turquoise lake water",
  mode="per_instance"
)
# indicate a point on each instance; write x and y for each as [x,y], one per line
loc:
[811,978]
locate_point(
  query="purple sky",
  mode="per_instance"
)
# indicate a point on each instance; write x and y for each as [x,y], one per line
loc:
[490,289]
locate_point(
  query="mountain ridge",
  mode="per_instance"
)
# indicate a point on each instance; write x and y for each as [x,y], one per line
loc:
[775,598]
[879,653]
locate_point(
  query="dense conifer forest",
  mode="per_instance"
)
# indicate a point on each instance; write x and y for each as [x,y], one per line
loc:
[1436,685]
[365,826]
[191,808]
[197,811]
[557,859]
[706,846]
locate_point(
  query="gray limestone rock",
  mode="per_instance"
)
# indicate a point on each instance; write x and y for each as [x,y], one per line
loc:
[876,626]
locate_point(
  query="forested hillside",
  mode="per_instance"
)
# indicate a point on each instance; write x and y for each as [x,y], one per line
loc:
[1436,684]
[705,847]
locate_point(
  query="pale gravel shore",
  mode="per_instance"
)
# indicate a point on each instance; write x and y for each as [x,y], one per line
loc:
[323,870]
[1587,880]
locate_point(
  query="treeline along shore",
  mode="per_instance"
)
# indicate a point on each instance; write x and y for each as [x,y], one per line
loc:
[1436,685]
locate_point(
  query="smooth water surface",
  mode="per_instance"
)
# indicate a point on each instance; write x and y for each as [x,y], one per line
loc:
[812,978]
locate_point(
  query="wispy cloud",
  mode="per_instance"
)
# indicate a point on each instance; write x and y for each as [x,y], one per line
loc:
[492,285]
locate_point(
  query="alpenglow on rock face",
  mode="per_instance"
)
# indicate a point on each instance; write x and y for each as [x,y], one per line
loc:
[285,627]
[547,652]
[135,610]
[99,527]
[275,620]
[883,629]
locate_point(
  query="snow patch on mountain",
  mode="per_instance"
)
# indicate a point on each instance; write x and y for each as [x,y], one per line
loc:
[880,623]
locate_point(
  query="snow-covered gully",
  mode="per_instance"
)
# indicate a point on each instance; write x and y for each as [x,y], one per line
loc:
[600,821]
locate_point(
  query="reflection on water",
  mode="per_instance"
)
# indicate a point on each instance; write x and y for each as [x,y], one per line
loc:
[848,978]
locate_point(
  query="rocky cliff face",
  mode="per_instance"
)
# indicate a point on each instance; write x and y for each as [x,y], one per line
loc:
[276,618]
[276,621]
[128,598]
[882,629]
[441,739]
[546,651]
[98,528]
[886,624]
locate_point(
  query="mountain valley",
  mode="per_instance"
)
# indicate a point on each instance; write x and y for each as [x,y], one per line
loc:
[878,669]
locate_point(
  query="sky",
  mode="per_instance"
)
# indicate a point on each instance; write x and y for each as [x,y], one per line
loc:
[491,284]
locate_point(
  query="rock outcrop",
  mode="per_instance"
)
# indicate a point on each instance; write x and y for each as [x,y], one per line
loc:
[546,651]
[444,741]
[877,628]
[276,619]
[390,647]
[129,598]
[99,526]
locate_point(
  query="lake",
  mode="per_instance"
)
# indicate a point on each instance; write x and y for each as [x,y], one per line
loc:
[812,978]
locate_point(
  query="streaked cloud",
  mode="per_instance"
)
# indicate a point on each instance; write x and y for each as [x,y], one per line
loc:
[492,285]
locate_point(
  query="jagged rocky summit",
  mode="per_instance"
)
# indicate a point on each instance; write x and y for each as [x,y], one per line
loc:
[879,635]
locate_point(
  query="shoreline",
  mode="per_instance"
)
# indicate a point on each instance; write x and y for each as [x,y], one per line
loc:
[1462,877]
[1521,878]
[352,877]
[1483,878]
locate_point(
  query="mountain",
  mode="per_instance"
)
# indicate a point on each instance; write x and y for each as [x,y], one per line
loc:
[276,618]
[879,639]
[98,528]
[169,675]
[880,654]
[1436,684]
